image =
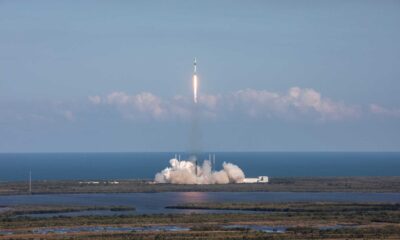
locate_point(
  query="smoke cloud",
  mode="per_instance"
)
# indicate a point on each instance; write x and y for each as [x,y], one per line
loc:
[184,172]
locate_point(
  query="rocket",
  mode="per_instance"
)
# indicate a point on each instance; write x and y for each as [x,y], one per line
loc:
[195,82]
[194,66]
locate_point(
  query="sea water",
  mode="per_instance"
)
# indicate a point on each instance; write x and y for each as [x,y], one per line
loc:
[61,166]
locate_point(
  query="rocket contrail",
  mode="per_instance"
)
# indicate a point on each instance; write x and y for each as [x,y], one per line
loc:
[195,82]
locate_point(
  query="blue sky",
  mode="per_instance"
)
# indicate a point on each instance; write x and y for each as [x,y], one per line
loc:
[274,75]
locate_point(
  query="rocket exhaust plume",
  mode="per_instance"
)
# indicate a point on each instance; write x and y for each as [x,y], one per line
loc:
[195,81]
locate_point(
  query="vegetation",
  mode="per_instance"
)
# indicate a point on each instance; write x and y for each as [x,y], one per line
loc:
[323,220]
[388,232]
[294,206]
[43,209]
[287,184]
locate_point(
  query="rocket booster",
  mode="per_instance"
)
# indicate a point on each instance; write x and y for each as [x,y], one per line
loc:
[194,66]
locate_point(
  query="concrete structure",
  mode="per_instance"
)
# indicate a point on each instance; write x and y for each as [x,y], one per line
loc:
[89,182]
[260,179]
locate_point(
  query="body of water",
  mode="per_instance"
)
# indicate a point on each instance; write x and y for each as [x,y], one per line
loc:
[52,166]
[154,203]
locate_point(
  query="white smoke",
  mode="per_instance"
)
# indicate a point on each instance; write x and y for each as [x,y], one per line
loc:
[184,172]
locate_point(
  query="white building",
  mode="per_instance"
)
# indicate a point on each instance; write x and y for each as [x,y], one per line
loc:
[260,179]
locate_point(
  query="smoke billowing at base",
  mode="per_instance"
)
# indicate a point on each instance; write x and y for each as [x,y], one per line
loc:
[186,172]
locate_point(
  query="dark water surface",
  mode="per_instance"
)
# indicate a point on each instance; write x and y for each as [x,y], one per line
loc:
[97,229]
[152,203]
[64,230]
[145,165]
[260,228]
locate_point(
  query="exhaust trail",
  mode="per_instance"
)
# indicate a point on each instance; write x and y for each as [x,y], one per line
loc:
[195,133]
[195,81]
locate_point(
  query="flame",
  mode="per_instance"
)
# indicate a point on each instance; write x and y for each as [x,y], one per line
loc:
[195,87]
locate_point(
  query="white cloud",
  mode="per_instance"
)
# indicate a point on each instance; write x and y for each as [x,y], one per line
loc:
[95,99]
[137,106]
[148,105]
[309,99]
[379,110]
[296,102]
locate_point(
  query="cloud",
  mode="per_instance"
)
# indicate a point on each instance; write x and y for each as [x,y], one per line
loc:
[146,105]
[379,110]
[295,102]
[254,104]
[95,99]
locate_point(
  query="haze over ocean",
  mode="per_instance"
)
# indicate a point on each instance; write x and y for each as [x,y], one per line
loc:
[145,165]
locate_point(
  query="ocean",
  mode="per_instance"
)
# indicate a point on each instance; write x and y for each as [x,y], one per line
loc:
[71,166]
